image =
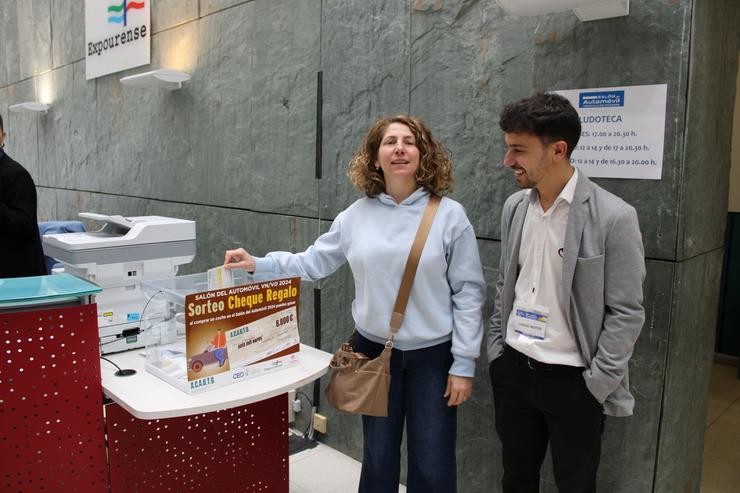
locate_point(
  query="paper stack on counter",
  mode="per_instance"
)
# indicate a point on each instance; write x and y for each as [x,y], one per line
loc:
[220,277]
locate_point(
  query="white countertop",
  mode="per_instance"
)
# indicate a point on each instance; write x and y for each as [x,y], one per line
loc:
[146,396]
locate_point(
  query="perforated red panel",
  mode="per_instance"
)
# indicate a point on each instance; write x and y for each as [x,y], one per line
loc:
[244,449]
[51,410]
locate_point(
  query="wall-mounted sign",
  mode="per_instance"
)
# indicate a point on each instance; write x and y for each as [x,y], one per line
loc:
[622,131]
[117,36]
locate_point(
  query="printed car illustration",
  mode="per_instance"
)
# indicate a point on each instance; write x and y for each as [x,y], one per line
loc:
[210,355]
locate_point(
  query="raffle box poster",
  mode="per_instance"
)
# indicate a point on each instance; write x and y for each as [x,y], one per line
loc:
[240,332]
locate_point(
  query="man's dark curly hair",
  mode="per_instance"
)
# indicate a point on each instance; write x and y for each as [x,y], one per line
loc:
[549,116]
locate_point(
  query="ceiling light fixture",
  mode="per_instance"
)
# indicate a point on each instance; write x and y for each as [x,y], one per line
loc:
[34,106]
[586,10]
[162,77]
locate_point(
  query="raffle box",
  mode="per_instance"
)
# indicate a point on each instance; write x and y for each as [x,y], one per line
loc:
[199,340]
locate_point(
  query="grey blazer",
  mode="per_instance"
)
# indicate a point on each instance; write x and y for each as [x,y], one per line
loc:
[603,272]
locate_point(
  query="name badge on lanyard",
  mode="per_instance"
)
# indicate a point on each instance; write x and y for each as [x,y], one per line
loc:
[530,319]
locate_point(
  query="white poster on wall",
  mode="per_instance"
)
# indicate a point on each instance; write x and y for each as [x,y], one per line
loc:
[117,36]
[622,131]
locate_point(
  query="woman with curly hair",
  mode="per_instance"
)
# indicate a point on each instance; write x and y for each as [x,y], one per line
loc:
[398,166]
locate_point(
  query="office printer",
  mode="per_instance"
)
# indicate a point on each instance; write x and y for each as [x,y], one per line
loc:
[125,251]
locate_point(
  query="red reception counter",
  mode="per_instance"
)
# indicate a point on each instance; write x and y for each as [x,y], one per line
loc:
[57,435]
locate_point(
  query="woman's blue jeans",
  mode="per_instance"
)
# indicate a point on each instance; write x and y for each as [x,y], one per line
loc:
[418,383]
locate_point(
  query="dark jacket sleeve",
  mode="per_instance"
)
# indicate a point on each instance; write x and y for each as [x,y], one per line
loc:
[21,253]
[18,206]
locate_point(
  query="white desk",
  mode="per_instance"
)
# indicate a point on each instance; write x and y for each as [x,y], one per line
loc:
[149,397]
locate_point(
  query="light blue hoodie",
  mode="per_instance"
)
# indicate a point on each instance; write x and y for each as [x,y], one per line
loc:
[374,235]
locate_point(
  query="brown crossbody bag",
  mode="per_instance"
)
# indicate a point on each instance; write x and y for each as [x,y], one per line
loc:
[359,384]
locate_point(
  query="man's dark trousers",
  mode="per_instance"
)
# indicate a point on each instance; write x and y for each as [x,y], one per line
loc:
[538,403]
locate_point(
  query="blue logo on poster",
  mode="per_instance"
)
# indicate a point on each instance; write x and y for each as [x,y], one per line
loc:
[604,99]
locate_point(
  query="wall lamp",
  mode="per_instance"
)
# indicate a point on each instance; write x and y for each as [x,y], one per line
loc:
[162,77]
[34,106]
[586,10]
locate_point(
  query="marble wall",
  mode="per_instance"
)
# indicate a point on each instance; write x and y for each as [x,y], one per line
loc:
[235,151]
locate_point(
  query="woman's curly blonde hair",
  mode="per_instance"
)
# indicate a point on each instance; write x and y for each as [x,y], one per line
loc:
[435,165]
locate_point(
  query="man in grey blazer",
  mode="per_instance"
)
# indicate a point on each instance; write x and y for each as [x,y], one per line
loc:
[568,305]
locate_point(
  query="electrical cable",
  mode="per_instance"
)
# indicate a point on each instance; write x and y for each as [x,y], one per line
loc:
[309,428]
[310,435]
[131,333]
[299,442]
[127,372]
[121,372]
[308,432]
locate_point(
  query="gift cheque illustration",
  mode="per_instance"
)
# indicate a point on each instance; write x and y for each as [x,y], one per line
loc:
[238,332]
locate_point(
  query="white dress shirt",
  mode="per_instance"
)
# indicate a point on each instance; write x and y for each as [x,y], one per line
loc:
[540,280]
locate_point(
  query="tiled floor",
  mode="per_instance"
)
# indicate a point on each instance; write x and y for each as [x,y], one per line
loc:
[324,470]
[721,469]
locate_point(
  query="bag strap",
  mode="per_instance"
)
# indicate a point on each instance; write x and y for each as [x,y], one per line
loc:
[411,264]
